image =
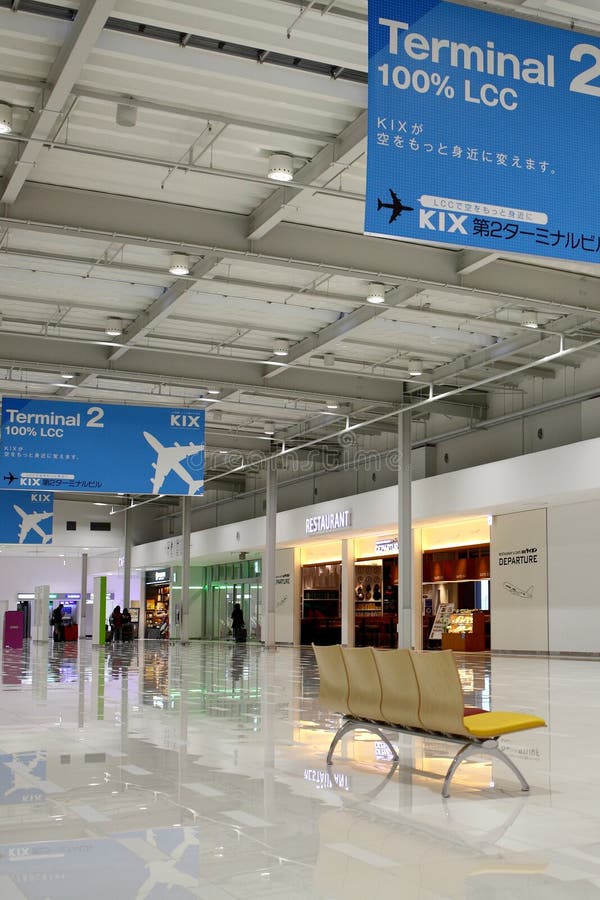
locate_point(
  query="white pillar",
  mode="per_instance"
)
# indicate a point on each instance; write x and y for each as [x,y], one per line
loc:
[83,601]
[186,530]
[127,561]
[268,598]
[347,586]
[405,556]
[40,630]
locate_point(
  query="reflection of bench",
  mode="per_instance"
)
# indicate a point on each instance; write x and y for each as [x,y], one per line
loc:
[417,693]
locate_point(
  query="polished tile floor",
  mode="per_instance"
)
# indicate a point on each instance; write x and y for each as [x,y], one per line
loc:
[169,772]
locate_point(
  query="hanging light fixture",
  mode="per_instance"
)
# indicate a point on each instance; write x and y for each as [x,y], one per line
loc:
[269,428]
[281,347]
[281,167]
[376,292]
[5,118]
[529,320]
[114,327]
[332,404]
[329,360]
[180,264]
[415,367]
[126,115]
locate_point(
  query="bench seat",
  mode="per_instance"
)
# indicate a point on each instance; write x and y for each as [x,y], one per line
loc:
[493,724]
[416,693]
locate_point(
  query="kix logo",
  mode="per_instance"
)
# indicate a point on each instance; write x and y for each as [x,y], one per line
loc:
[185,420]
[439,220]
[40,498]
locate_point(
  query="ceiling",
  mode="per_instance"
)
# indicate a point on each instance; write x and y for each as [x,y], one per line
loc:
[91,211]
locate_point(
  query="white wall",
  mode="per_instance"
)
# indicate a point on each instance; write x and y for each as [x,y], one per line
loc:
[574,598]
[564,479]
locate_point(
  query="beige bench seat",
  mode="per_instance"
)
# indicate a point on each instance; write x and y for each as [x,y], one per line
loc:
[412,692]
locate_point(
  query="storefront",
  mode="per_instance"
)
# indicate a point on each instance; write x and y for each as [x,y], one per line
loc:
[158,598]
[455,598]
[215,589]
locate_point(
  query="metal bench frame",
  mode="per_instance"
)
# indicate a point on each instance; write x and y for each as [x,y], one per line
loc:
[470,747]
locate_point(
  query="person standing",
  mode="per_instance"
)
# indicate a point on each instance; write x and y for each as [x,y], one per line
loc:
[237,622]
[58,629]
[116,623]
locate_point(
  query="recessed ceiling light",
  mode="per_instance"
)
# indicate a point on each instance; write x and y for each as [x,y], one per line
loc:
[281,347]
[180,264]
[281,167]
[376,292]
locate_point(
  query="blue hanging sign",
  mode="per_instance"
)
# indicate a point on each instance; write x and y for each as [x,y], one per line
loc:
[59,445]
[483,131]
[26,517]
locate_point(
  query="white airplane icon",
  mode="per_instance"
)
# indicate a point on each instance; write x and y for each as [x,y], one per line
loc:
[169,459]
[519,592]
[29,522]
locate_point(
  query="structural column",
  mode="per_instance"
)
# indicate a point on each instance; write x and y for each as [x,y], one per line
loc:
[405,556]
[348,624]
[268,599]
[186,531]
[127,561]
[83,601]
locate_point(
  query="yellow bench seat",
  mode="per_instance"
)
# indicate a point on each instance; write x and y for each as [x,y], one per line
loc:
[493,724]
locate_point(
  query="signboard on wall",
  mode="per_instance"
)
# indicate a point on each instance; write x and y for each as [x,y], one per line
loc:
[26,517]
[482,129]
[519,581]
[58,445]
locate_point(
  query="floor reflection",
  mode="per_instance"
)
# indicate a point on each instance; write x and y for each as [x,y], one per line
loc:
[154,771]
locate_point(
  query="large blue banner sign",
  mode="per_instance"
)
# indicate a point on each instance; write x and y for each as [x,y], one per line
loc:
[483,131]
[26,517]
[57,445]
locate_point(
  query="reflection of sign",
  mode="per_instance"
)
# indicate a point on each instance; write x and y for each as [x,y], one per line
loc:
[66,446]
[387,546]
[26,518]
[334,521]
[327,780]
[481,129]
[21,777]
[440,623]
[157,862]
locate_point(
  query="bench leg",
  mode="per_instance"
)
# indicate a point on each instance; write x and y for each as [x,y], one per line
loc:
[487,748]
[351,725]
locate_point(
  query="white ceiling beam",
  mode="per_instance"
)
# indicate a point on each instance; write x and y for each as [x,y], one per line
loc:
[173,109]
[344,326]
[201,63]
[329,162]
[489,355]
[84,33]
[63,210]
[48,353]
[470,261]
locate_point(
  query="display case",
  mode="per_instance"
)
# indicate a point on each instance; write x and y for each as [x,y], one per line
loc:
[466,631]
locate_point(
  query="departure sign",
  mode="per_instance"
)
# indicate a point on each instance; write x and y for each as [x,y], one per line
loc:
[483,131]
